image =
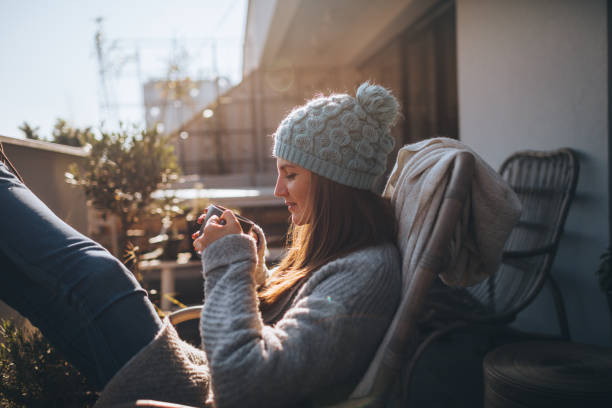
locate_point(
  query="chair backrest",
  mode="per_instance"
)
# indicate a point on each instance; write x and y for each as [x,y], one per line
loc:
[545,183]
[399,345]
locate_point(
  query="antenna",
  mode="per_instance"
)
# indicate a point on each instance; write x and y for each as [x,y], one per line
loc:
[104,102]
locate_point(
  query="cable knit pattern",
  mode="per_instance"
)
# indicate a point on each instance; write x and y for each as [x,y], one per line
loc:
[168,369]
[342,138]
[325,339]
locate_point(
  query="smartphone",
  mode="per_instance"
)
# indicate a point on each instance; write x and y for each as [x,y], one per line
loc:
[215,209]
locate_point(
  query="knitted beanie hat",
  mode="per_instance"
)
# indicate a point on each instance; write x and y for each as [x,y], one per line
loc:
[342,138]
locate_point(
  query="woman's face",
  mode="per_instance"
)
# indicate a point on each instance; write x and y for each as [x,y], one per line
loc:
[293,184]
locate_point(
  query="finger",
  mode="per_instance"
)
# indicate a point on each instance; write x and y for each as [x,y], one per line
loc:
[197,244]
[255,235]
[233,225]
[195,235]
[215,220]
[230,217]
[202,216]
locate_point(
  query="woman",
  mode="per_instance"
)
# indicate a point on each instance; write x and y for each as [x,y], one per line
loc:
[309,329]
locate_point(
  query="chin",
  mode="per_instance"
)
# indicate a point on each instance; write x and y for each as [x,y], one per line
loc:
[297,220]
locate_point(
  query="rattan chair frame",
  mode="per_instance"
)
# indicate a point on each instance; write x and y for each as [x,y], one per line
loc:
[566,165]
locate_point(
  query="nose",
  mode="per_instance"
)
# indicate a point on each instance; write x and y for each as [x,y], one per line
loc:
[281,189]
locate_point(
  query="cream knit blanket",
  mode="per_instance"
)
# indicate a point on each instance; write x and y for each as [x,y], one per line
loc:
[416,187]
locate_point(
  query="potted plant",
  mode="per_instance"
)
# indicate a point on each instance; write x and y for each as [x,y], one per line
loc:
[122,171]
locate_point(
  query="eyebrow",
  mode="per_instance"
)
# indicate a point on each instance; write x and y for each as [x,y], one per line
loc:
[285,166]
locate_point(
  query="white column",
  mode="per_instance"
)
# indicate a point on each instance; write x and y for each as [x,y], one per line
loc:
[167,286]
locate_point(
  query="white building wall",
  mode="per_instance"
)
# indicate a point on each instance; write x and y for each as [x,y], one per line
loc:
[259,16]
[533,75]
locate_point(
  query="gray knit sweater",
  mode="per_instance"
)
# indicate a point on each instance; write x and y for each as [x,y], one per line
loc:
[321,345]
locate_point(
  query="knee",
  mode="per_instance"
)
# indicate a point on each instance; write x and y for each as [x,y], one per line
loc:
[104,280]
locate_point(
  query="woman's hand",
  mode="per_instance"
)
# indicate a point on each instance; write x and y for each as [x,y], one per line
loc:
[216,227]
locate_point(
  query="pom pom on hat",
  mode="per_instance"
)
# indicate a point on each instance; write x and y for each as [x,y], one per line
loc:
[342,138]
[378,103]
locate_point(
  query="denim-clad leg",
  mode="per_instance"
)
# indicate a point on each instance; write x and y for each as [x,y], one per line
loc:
[81,297]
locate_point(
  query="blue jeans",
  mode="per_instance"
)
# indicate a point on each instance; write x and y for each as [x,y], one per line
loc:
[82,298]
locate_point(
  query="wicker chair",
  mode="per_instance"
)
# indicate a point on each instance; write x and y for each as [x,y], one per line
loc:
[398,347]
[545,182]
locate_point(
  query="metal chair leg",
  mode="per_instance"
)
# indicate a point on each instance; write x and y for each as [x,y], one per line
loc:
[407,374]
[560,307]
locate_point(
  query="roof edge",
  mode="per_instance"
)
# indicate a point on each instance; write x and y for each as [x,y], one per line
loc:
[47,146]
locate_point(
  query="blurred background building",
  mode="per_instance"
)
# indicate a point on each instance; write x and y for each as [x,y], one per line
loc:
[170,103]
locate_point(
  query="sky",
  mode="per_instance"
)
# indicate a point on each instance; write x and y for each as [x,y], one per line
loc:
[49,67]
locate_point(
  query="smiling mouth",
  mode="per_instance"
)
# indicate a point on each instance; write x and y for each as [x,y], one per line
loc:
[290,206]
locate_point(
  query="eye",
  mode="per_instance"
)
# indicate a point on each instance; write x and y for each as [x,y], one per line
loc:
[290,176]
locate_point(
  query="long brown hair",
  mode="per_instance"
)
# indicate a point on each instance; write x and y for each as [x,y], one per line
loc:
[343,219]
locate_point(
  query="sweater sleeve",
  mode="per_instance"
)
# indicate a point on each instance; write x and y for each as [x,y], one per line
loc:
[326,338]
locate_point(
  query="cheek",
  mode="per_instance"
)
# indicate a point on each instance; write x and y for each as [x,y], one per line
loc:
[301,194]
[305,198]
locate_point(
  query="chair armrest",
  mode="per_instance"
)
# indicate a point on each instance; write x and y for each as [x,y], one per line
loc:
[182,315]
[528,253]
[159,404]
[151,404]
